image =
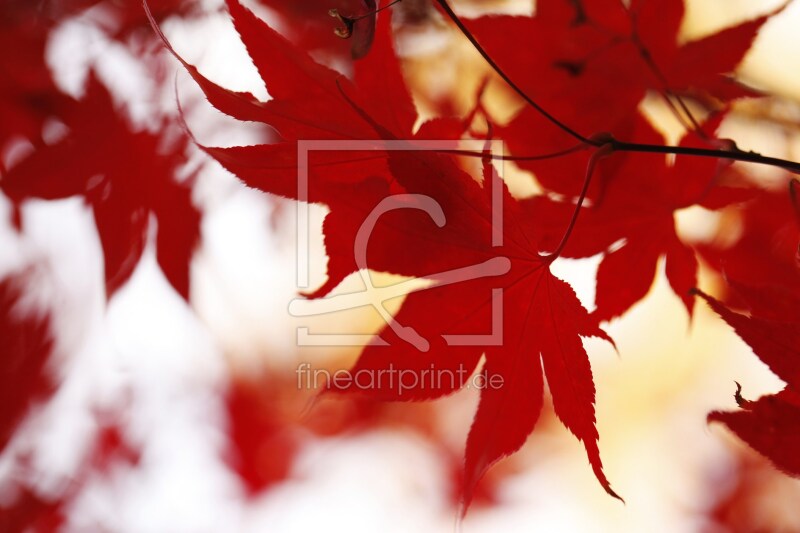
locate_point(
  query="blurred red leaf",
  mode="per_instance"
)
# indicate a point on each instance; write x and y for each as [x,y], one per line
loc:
[763,251]
[30,509]
[28,94]
[32,512]
[263,442]
[126,176]
[25,356]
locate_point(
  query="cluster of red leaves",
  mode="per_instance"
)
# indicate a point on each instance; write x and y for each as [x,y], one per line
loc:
[594,62]
[589,63]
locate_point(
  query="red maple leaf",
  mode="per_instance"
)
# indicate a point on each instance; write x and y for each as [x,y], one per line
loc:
[542,321]
[542,318]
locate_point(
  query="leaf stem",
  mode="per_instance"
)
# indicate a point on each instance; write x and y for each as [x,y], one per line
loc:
[602,151]
[390,4]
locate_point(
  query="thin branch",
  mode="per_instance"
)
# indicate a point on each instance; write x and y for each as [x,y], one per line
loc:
[538,157]
[734,155]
